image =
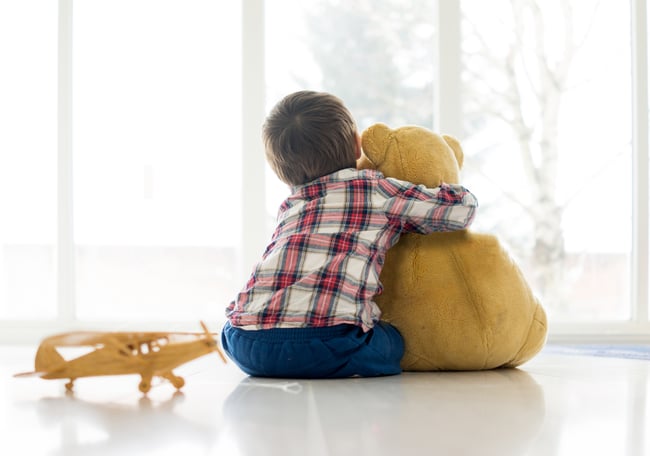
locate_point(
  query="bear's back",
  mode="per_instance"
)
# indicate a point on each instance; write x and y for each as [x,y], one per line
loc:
[460,302]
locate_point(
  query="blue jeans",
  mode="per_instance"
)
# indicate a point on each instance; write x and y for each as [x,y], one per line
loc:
[330,352]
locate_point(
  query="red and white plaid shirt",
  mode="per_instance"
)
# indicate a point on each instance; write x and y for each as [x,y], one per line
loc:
[323,263]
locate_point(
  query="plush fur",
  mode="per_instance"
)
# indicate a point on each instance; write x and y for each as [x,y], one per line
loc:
[458,298]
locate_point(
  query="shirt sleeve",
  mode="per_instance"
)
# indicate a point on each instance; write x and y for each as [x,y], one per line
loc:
[416,208]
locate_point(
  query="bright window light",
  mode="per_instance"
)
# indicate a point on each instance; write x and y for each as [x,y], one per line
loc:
[28,128]
[157,90]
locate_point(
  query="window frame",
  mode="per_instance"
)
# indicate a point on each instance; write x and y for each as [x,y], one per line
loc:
[447,118]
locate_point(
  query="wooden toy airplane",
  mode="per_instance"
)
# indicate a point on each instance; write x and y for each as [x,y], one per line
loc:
[148,354]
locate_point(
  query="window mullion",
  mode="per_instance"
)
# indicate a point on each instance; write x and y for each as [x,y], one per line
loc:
[65,238]
[253,95]
[640,160]
[447,106]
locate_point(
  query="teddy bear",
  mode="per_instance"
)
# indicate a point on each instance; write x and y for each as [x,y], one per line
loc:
[458,298]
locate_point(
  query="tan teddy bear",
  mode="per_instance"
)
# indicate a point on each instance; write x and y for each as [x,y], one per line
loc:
[458,299]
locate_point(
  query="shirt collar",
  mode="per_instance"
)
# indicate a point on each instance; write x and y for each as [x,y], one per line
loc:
[341,175]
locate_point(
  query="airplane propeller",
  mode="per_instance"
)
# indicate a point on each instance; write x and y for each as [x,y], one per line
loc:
[208,336]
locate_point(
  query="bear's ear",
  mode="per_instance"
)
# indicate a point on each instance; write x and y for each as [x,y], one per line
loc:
[374,142]
[455,146]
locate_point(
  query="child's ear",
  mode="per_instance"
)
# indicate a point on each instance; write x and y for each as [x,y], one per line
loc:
[358,144]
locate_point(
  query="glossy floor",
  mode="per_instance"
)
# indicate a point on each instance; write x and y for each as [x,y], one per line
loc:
[553,405]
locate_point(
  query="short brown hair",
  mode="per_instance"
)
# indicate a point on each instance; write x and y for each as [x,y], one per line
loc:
[308,135]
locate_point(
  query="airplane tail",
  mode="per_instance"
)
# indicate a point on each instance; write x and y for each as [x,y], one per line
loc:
[29,374]
[47,358]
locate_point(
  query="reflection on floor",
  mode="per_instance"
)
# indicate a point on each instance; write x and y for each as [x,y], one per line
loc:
[557,404]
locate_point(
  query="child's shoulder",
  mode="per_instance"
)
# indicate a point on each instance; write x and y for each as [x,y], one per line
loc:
[353,174]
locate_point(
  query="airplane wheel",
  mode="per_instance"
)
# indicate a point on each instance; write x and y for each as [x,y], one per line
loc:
[69,385]
[178,382]
[144,386]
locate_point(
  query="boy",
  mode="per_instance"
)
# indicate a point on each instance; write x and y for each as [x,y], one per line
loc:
[307,310]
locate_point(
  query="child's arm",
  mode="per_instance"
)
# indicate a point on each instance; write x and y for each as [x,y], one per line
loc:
[423,210]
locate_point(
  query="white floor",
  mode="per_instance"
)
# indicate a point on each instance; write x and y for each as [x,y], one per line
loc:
[554,405]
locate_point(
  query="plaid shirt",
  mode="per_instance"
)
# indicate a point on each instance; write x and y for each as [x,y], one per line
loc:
[323,263]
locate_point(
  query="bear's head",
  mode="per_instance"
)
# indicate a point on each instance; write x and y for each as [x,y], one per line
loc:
[411,153]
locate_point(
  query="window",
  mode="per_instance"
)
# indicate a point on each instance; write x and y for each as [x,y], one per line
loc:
[156,118]
[378,57]
[159,203]
[28,161]
[546,100]
[147,226]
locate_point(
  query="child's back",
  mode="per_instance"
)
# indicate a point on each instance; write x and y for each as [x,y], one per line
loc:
[307,309]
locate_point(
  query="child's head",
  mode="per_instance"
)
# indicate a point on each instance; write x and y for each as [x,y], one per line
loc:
[308,135]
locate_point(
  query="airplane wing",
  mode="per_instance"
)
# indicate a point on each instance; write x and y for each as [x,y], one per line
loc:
[83,338]
[75,339]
